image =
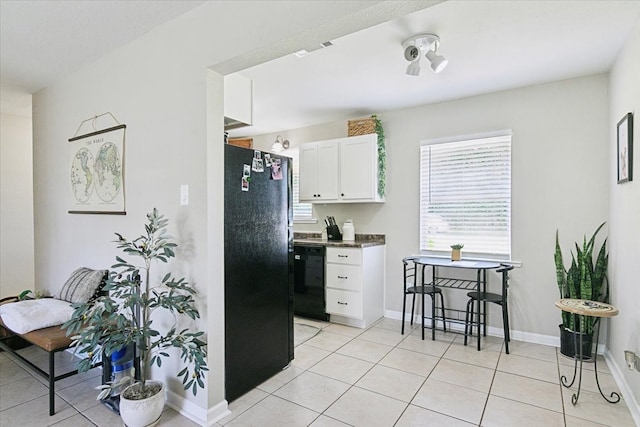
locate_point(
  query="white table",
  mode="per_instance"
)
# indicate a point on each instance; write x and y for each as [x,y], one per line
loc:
[478,285]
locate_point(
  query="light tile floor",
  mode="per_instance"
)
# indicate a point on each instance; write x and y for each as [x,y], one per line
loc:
[375,377]
[24,396]
[378,377]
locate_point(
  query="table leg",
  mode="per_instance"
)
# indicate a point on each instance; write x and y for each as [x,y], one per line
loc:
[479,305]
[484,303]
[563,379]
[433,304]
[422,309]
[576,396]
[615,397]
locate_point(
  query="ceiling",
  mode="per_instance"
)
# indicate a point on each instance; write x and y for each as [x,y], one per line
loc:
[491,46]
[42,41]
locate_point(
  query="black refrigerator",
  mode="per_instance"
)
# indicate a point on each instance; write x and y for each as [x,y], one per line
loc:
[258,265]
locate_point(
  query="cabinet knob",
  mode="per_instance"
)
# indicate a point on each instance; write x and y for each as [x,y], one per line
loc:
[343,303]
[342,277]
[343,256]
[342,194]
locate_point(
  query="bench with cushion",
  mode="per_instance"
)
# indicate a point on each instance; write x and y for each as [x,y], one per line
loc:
[21,319]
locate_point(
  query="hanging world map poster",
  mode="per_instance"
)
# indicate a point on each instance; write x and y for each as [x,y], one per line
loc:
[96,171]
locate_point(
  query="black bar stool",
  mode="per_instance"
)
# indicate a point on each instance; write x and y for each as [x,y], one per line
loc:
[485,297]
[412,287]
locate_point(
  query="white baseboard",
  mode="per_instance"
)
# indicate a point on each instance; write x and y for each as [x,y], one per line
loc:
[626,391]
[550,340]
[194,412]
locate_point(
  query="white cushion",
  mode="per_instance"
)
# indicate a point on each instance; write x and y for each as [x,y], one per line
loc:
[26,316]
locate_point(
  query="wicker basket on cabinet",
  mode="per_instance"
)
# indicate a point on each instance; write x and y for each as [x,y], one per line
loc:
[362,126]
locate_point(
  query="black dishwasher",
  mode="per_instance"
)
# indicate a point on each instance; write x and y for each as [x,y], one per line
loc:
[308,282]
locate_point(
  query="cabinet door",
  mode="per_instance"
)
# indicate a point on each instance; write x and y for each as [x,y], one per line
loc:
[344,303]
[327,171]
[358,167]
[308,172]
[352,256]
[345,277]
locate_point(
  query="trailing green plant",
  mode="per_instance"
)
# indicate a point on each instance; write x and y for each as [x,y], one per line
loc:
[29,294]
[382,157]
[124,316]
[585,279]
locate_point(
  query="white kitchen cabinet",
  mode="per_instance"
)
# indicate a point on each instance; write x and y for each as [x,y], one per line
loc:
[359,168]
[319,172]
[354,285]
[347,172]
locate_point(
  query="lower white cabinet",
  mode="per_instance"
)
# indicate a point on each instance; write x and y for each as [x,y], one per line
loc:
[354,280]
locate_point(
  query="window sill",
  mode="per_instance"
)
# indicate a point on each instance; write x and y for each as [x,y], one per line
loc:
[305,221]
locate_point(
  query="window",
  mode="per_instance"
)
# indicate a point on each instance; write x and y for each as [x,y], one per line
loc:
[465,196]
[301,211]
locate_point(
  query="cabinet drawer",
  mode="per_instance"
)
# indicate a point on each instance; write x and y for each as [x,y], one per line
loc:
[347,277]
[344,256]
[344,303]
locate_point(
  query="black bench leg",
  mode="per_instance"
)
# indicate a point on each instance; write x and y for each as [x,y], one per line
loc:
[52,391]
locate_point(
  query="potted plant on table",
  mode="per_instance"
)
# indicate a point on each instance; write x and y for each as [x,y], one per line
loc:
[585,279]
[124,318]
[456,252]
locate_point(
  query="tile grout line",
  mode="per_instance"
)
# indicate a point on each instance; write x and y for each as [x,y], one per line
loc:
[369,370]
[425,379]
[493,378]
[342,394]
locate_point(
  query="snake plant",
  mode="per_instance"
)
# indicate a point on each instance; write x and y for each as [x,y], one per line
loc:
[585,279]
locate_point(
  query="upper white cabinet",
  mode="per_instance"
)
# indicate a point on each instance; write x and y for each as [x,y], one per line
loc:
[319,171]
[343,170]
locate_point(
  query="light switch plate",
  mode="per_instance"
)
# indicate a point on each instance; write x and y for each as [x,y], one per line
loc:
[184,194]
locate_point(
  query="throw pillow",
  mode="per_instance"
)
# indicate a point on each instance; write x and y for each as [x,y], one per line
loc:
[81,286]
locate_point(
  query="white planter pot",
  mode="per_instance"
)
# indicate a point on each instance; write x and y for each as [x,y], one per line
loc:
[142,413]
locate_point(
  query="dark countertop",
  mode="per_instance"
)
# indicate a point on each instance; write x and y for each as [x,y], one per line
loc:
[315,239]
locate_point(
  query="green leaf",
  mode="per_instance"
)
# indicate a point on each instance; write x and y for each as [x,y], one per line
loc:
[123,317]
[585,279]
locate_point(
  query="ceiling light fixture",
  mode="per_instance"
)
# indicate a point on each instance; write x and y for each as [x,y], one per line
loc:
[415,46]
[413,69]
[280,144]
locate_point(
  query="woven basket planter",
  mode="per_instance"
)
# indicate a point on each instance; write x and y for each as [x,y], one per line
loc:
[362,126]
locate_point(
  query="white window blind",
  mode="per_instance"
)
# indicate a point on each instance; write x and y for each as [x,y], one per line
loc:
[465,197]
[301,211]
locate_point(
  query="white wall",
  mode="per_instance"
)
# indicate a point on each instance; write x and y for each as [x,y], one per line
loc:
[624,213]
[559,181]
[160,88]
[16,204]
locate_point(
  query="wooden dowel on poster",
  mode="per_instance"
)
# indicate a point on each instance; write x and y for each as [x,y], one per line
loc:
[97,212]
